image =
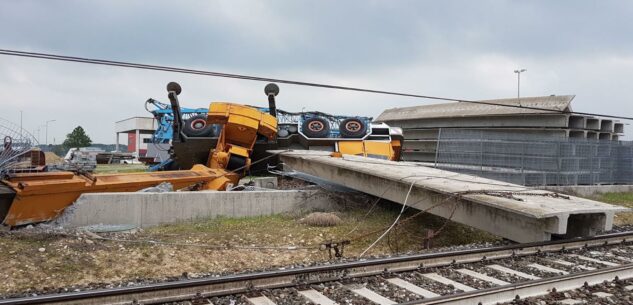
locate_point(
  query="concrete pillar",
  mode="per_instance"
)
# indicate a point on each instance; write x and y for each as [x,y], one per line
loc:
[117,143]
[138,142]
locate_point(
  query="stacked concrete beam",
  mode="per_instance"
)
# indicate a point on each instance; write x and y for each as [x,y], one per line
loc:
[423,126]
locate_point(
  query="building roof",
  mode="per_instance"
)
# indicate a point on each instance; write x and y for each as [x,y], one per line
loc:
[465,109]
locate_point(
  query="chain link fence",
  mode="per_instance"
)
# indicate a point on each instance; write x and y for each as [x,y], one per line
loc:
[534,160]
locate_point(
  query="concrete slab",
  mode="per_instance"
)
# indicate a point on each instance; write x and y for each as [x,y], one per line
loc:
[150,209]
[524,215]
[261,182]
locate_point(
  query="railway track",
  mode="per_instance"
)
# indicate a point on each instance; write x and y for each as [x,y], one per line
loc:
[475,276]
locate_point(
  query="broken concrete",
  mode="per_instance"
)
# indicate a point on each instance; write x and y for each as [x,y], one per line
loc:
[525,215]
[151,209]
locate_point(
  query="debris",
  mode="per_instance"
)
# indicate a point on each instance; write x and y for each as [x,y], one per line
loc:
[161,188]
[41,249]
[319,219]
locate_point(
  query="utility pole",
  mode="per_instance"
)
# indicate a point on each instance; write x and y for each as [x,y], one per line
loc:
[518,72]
[47,130]
[38,134]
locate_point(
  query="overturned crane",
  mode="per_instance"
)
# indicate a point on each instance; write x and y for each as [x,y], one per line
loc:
[205,163]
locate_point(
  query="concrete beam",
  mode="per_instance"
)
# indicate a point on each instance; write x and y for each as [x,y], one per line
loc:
[577,122]
[592,135]
[522,218]
[151,209]
[432,133]
[604,136]
[429,146]
[577,134]
[419,156]
[508,121]
[420,134]
[593,123]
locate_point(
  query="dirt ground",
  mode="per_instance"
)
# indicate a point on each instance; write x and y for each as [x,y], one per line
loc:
[34,261]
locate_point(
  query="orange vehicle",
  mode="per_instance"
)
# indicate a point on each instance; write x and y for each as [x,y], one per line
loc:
[205,164]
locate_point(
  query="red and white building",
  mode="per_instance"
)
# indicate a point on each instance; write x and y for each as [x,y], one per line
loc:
[138,130]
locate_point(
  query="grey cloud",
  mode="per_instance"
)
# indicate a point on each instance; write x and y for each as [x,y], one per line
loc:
[464,49]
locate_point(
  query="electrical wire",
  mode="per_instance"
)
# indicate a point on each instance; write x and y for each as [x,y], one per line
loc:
[404,204]
[277,80]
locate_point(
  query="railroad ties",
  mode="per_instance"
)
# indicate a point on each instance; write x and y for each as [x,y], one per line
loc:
[589,270]
[450,284]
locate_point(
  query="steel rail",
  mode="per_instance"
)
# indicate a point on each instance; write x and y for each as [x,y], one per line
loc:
[534,288]
[156,293]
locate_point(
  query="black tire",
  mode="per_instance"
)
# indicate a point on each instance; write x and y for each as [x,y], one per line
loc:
[352,128]
[236,162]
[197,126]
[316,127]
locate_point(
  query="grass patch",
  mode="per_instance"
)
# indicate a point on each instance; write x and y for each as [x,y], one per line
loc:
[622,199]
[182,248]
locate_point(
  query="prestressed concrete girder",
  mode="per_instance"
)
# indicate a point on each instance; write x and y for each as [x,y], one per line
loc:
[541,120]
[534,219]
[577,122]
[606,125]
[593,123]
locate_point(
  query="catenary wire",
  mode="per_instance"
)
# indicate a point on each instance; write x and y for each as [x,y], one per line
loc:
[283,81]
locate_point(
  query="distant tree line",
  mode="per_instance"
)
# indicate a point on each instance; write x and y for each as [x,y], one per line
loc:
[77,139]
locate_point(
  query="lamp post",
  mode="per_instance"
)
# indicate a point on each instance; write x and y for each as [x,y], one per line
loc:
[518,72]
[50,121]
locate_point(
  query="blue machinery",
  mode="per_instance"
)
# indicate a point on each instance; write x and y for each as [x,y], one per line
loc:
[165,118]
[315,127]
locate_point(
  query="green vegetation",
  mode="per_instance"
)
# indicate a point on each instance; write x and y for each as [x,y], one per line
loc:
[283,230]
[77,138]
[210,245]
[623,199]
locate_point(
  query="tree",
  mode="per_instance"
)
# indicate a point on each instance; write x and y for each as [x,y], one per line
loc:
[77,138]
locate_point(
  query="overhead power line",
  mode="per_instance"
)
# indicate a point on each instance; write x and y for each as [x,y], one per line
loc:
[276,80]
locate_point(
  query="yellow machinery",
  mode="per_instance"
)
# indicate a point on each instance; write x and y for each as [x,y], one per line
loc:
[36,197]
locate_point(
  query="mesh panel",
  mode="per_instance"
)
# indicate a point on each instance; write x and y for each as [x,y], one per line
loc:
[532,159]
[15,147]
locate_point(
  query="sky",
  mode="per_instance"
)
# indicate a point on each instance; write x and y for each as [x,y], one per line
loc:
[458,49]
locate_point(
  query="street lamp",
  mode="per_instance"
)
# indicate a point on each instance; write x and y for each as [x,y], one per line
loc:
[47,129]
[518,72]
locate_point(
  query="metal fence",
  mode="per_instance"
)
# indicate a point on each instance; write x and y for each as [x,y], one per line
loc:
[530,159]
